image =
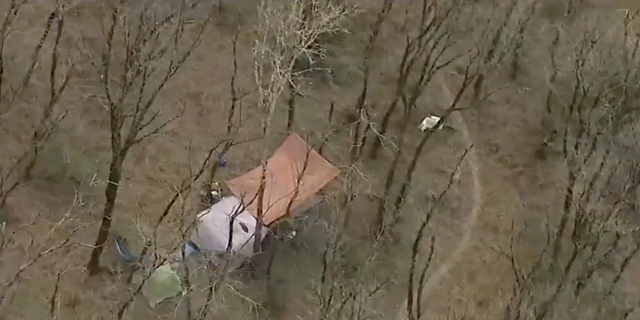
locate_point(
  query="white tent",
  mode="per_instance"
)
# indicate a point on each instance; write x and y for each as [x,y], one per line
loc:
[215,228]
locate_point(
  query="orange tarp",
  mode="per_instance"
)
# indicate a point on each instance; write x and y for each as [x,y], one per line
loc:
[284,173]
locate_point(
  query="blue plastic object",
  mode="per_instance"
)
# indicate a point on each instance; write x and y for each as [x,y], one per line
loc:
[222,162]
[189,248]
[123,250]
[193,246]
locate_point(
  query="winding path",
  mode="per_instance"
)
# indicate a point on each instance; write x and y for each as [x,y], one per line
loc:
[474,164]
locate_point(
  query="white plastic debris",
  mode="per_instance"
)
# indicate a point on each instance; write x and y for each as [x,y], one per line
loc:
[290,235]
[430,122]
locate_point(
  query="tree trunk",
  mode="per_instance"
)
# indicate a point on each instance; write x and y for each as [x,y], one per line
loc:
[321,148]
[477,88]
[416,157]
[274,301]
[31,164]
[356,148]
[566,214]
[111,193]
[384,125]
[515,62]
[291,112]
[391,174]
[257,241]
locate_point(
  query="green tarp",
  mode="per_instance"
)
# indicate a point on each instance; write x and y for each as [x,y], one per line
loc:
[163,284]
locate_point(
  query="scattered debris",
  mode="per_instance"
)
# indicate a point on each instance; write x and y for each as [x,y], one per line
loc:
[290,235]
[122,248]
[221,162]
[216,193]
[189,248]
[430,122]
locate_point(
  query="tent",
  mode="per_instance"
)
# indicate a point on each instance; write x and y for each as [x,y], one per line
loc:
[215,227]
[235,216]
[294,172]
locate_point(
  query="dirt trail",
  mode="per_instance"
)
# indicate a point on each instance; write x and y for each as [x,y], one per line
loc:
[473,162]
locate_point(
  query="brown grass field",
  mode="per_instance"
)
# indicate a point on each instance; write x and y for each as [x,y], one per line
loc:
[490,222]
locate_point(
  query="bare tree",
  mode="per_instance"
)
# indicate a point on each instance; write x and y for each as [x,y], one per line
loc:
[583,137]
[470,73]
[20,171]
[357,145]
[547,123]
[590,247]
[181,194]
[428,52]
[284,36]
[428,49]
[157,42]
[340,295]
[498,46]
[232,126]
[417,280]
[519,41]
[62,233]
